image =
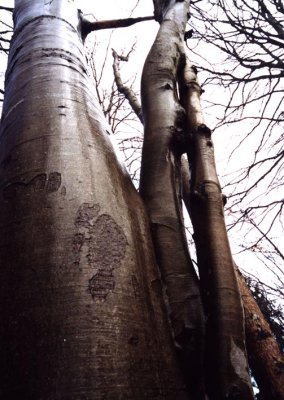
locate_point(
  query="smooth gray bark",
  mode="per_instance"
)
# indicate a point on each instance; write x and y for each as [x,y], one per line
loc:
[160,188]
[80,295]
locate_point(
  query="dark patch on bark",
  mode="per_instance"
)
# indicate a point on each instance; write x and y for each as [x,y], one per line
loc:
[101,284]
[135,285]
[188,34]
[37,184]
[133,340]
[104,244]
[180,142]
[224,199]
[63,54]
[204,130]
[63,191]
[263,334]
[77,244]
[168,86]
[86,215]
[54,182]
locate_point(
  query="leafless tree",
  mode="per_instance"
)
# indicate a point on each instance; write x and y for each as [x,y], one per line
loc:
[244,54]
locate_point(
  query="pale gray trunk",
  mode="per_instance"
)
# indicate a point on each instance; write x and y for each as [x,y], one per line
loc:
[80,296]
[160,188]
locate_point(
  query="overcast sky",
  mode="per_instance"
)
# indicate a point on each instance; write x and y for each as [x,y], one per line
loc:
[143,35]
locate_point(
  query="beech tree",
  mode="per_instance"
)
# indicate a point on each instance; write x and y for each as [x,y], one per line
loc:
[99,297]
[264,352]
[81,308]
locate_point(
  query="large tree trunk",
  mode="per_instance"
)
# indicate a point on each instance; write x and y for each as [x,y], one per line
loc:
[160,188]
[80,297]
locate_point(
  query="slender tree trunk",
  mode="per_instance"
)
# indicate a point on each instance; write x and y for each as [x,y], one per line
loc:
[80,296]
[265,357]
[160,188]
[226,365]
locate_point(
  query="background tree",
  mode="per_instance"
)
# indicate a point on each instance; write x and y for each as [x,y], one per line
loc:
[265,356]
[245,41]
[271,309]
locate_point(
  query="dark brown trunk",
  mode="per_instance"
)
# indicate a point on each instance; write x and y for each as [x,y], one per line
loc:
[88,26]
[265,357]
[226,365]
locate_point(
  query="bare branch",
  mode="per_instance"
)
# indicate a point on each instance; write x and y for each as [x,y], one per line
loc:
[124,89]
[88,26]
[10,9]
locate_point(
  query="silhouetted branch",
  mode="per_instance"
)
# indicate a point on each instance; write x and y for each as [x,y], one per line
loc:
[10,9]
[88,26]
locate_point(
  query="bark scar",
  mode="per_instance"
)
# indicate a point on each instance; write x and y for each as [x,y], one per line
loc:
[101,243]
[39,183]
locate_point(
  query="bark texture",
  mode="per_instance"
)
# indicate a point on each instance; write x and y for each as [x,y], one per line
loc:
[226,365]
[160,188]
[80,295]
[265,357]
